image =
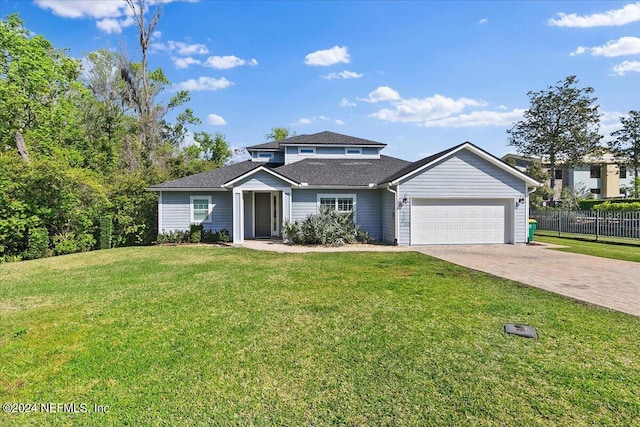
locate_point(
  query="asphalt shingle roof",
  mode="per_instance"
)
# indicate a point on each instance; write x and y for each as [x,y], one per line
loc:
[338,172]
[211,179]
[321,138]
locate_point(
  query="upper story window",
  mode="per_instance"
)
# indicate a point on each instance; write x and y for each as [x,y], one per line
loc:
[352,151]
[623,172]
[595,171]
[307,150]
[558,173]
[265,155]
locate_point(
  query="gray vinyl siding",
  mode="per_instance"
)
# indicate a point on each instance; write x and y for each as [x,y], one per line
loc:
[330,152]
[248,215]
[176,213]
[388,209]
[463,175]
[277,156]
[261,181]
[368,207]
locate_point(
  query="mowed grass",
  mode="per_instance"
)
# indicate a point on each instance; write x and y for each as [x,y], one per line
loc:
[201,335]
[615,250]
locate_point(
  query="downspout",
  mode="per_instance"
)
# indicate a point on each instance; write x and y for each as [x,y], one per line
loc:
[395,214]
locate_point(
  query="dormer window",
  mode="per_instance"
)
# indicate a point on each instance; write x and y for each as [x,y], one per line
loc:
[265,155]
[307,150]
[352,151]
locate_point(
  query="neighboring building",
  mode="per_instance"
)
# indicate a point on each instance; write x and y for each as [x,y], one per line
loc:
[599,177]
[460,195]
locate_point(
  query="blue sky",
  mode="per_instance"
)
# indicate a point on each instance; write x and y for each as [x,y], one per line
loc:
[420,76]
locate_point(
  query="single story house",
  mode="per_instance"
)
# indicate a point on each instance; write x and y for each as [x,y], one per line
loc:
[462,195]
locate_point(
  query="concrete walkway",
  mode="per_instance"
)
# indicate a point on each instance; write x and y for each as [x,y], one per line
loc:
[600,281]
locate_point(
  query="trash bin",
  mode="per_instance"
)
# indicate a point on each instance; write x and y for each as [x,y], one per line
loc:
[533,224]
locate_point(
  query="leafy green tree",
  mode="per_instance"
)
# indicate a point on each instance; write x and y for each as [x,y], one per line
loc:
[214,149]
[278,133]
[625,145]
[561,124]
[39,93]
[544,192]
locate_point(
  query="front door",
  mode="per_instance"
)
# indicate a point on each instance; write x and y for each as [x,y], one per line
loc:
[262,214]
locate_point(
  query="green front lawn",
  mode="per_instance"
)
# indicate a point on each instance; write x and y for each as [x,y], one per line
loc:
[626,252]
[227,336]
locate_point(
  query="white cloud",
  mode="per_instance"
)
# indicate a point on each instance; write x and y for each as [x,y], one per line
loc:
[203,83]
[181,48]
[610,122]
[478,119]
[626,67]
[623,46]
[227,62]
[303,121]
[185,62]
[114,26]
[339,122]
[111,16]
[344,102]
[382,93]
[84,8]
[343,75]
[326,57]
[442,111]
[612,18]
[483,21]
[216,120]
[423,110]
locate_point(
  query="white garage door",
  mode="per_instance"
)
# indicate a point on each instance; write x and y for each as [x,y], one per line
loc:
[453,221]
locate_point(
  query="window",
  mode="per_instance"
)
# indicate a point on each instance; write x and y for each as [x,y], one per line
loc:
[558,173]
[352,151]
[623,172]
[595,171]
[595,191]
[340,202]
[200,209]
[265,155]
[306,150]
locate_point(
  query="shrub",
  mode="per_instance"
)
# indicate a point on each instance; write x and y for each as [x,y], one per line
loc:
[37,243]
[106,231]
[619,207]
[173,237]
[220,236]
[328,227]
[64,244]
[195,233]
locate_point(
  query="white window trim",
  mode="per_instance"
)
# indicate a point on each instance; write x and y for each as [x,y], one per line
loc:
[208,218]
[300,153]
[336,197]
[358,151]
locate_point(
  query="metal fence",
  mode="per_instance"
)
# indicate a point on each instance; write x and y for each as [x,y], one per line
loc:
[625,225]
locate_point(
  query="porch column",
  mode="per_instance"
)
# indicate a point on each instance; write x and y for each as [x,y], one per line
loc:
[286,205]
[238,217]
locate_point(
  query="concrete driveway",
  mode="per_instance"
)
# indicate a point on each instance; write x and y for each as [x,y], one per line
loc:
[601,281]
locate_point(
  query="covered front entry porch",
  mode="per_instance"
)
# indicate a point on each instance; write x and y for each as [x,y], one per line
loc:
[259,214]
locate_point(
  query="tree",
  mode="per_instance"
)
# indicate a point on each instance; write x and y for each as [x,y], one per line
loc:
[561,125]
[626,145]
[214,149]
[39,93]
[278,133]
[535,171]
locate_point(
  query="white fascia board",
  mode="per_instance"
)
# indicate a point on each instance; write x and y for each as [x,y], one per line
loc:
[338,187]
[331,145]
[188,189]
[532,182]
[256,170]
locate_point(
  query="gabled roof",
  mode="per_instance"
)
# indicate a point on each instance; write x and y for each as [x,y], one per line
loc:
[321,138]
[418,166]
[341,172]
[210,179]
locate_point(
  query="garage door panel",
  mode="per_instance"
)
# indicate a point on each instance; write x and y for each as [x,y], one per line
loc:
[447,221]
